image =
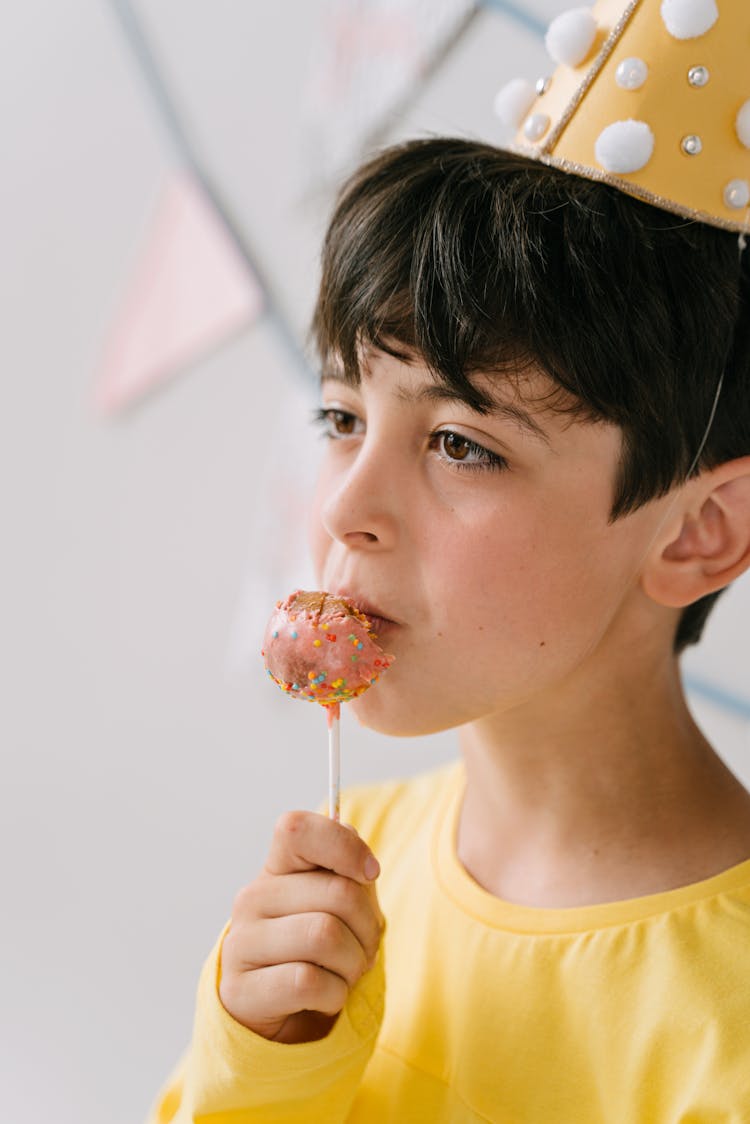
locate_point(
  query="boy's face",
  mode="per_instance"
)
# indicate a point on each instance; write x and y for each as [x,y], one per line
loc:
[484,540]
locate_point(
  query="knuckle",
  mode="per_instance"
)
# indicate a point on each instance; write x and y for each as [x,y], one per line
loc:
[228,949]
[290,824]
[235,956]
[371,954]
[343,894]
[323,931]
[244,900]
[307,983]
[338,994]
[319,990]
[363,965]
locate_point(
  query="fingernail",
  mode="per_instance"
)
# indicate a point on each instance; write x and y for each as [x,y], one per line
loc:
[372,868]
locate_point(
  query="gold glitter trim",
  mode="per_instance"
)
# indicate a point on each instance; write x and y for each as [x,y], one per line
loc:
[606,50]
[738,226]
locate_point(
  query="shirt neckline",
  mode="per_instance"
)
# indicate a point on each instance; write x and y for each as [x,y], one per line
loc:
[483,906]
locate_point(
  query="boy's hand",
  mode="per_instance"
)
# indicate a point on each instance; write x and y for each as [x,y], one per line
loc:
[303,932]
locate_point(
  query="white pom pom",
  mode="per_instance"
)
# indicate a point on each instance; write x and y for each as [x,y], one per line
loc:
[687,19]
[625,146]
[737,194]
[514,101]
[742,124]
[570,36]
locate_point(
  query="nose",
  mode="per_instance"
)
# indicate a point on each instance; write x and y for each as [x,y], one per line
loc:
[360,503]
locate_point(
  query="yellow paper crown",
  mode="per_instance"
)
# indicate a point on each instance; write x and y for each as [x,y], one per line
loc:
[652,96]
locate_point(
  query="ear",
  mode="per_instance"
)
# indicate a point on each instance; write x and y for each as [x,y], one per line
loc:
[708,543]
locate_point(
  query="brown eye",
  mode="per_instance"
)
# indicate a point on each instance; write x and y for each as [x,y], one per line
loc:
[342,422]
[463,453]
[337,423]
[456,446]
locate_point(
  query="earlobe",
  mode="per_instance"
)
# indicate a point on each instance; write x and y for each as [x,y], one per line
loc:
[711,546]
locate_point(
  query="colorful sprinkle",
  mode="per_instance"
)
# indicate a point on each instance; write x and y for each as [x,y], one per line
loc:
[315,685]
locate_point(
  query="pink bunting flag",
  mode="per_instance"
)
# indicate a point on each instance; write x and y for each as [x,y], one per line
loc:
[190,291]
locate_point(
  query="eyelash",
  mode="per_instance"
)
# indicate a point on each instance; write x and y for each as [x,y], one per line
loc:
[327,418]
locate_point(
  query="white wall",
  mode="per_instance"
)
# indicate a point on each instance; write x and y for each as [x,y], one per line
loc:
[145,757]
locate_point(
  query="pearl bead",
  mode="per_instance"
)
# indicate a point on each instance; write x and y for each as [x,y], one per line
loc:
[742,124]
[698,75]
[631,74]
[535,126]
[737,194]
[691,145]
[543,84]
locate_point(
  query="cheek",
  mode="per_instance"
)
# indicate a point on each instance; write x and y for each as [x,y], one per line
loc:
[527,578]
[317,538]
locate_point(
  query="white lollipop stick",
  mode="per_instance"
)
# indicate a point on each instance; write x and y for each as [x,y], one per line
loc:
[334,762]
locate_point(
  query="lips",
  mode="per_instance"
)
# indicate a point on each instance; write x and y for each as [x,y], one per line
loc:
[377,624]
[375,615]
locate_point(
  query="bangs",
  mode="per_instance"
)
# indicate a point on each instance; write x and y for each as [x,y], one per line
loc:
[430,260]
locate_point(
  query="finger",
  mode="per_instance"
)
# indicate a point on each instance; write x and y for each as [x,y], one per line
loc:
[307,840]
[269,995]
[317,938]
[315,891]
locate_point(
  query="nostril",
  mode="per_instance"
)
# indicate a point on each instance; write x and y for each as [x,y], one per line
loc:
[361,536]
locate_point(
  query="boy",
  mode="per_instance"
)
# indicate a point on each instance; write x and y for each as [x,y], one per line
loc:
[536,393]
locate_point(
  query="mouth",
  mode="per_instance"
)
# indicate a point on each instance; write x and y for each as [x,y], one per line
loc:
[378,625]
[378,620]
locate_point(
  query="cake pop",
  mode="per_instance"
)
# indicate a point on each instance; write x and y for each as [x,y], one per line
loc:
[321,648]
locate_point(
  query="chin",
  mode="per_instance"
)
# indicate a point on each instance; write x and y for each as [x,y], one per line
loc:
[386,712]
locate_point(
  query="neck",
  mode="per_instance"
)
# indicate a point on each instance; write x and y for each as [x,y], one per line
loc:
[598,794]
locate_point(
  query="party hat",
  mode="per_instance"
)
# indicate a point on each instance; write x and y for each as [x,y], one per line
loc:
[652,96]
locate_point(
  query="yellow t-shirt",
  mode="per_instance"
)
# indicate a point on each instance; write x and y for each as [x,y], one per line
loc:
[632,1012]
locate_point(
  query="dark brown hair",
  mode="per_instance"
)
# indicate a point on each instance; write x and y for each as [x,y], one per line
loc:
[476,259]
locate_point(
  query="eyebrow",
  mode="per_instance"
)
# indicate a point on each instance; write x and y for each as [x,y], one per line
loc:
[508,411]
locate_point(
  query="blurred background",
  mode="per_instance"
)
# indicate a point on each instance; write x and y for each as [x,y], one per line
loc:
[168,168]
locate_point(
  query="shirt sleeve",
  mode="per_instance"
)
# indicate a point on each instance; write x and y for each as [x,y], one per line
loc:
[232,1074]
